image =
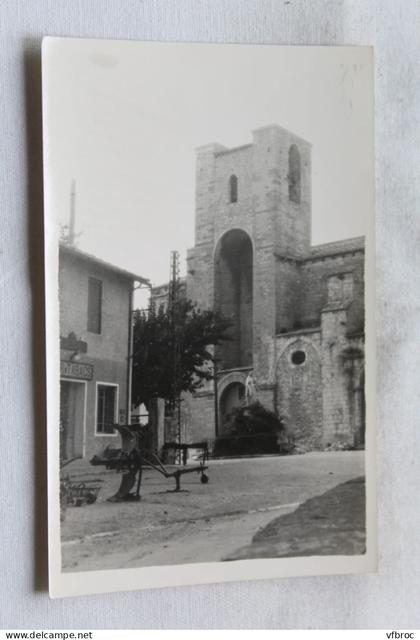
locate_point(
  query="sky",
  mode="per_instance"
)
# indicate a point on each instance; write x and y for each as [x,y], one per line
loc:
[123,119]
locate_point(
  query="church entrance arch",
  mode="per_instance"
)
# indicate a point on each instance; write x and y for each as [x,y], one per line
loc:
[231,398]
[231,394]
[233,274]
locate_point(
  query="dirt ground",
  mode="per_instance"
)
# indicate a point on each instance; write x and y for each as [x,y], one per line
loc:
[202,523]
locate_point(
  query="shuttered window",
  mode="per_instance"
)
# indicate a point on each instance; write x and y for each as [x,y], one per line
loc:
[94,320]
[106,409]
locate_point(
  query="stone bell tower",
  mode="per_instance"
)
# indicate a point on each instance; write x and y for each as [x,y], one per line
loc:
[252,225]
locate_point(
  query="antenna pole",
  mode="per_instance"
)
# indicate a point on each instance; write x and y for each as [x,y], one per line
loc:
[72,221]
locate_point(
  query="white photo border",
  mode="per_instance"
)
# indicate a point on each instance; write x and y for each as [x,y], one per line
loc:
[90,582]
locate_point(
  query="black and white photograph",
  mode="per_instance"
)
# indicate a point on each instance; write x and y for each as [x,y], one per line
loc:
[208,237]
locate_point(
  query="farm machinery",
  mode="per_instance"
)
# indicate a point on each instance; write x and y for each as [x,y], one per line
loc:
[134,454]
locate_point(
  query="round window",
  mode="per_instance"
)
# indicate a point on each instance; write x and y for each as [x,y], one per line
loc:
[298,357]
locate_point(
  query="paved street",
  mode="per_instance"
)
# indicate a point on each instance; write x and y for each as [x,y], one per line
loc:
[203,523]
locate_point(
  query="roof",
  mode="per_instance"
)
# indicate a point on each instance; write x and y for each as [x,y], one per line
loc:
[233,149]
[78,253]
[340,246]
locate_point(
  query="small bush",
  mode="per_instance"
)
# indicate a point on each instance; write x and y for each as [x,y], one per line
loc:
[251,429]
[253,418]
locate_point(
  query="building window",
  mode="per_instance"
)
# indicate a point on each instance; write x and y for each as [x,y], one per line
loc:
[106,408]
[94,320]
[298,357]
[233,189]
[294,174]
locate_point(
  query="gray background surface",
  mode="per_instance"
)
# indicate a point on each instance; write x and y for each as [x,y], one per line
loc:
[389,599]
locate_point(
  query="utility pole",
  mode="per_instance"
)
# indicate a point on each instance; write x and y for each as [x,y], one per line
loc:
[173,308]
[216,397]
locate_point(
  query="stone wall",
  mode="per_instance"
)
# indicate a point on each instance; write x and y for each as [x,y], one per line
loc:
[299,384]
[313,290]
[288,295]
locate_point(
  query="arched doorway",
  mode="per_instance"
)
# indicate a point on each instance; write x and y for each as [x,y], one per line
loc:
[233,396]
[233,297]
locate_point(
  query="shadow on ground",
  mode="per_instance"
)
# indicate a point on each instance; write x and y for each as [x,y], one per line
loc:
[330,524]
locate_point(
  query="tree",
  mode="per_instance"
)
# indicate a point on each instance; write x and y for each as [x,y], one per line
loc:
[163,341]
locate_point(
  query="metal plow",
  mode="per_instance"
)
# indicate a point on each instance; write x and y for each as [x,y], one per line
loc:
[130,459]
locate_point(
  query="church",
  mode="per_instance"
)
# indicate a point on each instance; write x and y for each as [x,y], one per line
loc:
[297,310]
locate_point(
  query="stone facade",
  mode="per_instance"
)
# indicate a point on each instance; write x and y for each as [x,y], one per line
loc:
[297,310]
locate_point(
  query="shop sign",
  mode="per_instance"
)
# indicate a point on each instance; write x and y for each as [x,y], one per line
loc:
[77,370]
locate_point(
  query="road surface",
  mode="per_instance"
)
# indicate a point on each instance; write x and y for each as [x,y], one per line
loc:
[202,523]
